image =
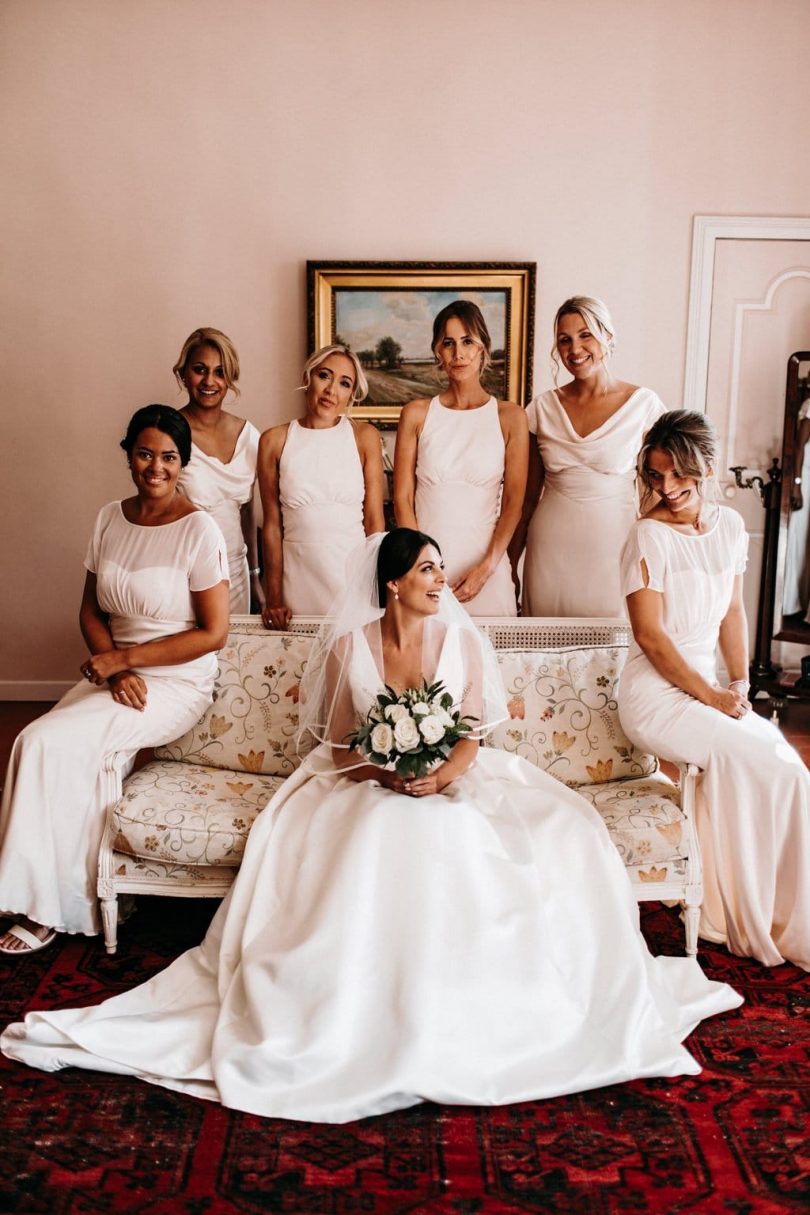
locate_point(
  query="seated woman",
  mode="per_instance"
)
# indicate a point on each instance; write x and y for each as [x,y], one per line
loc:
[154,610]
[221,474]
[460,465]
[468,937]
[682,570]
[321,482]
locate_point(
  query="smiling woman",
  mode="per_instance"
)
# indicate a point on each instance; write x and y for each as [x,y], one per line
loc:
[587,434]
[154,610]
[321,482]
[221,473]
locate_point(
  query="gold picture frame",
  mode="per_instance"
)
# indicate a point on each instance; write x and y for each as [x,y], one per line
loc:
[384,311]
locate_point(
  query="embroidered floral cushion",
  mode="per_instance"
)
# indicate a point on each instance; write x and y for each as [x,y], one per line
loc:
[187,814]
[644,818]
[251,725]
[563,715]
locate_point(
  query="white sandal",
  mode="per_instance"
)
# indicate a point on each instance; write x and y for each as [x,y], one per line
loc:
[28,938]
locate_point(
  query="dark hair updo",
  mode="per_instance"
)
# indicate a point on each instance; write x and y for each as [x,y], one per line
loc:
[398,554]
[160,417]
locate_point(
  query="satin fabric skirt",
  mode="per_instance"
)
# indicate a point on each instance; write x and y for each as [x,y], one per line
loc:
[461,518]
[317,542]
[477,947]
[54,801]
[752,813]
[573,545]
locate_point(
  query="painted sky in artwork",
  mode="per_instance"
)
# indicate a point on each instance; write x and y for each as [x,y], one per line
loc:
[362,318]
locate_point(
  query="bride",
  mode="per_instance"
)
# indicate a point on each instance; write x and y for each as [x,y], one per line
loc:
[469,937]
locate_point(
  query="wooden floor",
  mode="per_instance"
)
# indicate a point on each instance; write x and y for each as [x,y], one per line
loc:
[15,714]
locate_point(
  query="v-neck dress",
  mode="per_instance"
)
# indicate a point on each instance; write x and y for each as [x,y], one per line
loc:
[221,490]
[588,505]
[473,947]
[753,796]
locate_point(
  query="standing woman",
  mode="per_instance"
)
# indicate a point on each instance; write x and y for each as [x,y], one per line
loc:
[587,435]
[682,572]
[221,473]
[321,482]
[154,610]
[460,466]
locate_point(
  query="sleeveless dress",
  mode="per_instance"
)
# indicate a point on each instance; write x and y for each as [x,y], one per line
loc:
[753,799]
[459,474]
[588,505]
[322,492]
[221,490]
[476,947]
[55,796]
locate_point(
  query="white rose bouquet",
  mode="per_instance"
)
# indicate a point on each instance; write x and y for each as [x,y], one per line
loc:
[410,732]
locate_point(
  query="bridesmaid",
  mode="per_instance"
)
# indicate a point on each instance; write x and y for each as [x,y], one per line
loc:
[460,466]
[221,474]
[587,435]
[682,571]
[321,483]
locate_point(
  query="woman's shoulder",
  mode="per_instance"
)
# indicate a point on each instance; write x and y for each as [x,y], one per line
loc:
[415,410]
[271,441]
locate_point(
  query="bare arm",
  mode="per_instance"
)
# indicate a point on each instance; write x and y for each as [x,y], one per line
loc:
[210,633]
[734,636]
[646,610]
[275,614]
[405,453]
[247,519]
[534,484]
[369,446]
[516,459]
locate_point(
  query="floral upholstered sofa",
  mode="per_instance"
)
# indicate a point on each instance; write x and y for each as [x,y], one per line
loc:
[179,824]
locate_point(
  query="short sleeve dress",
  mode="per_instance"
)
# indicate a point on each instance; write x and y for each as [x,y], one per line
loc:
[753,797]
[52,812]
[588,504]
[221,490]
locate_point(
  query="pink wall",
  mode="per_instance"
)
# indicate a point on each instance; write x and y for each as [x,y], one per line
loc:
[174,162]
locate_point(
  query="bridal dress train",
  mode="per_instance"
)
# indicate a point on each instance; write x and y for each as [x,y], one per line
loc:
[479,946]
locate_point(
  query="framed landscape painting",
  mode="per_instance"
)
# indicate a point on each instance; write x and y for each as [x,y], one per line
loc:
[384,311]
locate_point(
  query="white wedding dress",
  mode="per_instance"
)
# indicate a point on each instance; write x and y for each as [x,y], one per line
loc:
[476,947]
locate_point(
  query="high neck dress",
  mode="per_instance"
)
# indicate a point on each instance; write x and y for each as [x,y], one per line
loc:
[588,504]
[221,490]
[322,491]
[753,797]
[474,947]
[459,476]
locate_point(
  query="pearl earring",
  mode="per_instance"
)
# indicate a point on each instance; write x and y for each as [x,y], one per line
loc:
[396,595]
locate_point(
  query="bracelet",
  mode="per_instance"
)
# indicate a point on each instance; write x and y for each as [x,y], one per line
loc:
[254,573]
[736,683]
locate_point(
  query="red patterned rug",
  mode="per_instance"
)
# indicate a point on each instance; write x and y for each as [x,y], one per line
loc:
[732,1141]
